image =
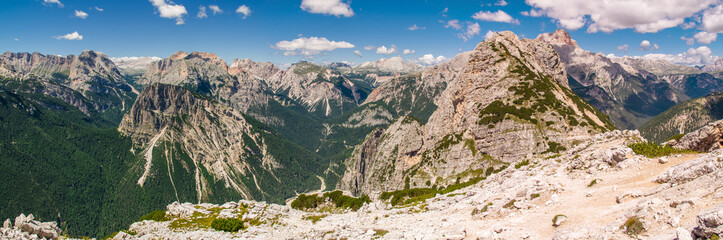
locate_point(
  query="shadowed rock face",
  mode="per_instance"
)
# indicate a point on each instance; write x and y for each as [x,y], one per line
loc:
[510,99]
[89,81]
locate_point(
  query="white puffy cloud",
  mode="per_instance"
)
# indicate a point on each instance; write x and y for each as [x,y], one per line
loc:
[244,10]
[687,25]
[415,27]
[647,46]
[623,48]
[472,30]
[499,16]
[386,51]
[310,46]
[49,2]
[70,36]
[713,19]
[81,14]
[16,39]
[454,23]
[358,53]
[429,59]
[369,48]
[170,10]
[694,56]
[215,9]
[201,12]
[327,7]
[533,13]
[689,41]
[501,3]
[98,9]
[408,51]
[705,37]
[489,34]
[606,16]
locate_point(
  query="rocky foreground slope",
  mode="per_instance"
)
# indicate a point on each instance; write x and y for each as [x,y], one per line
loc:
[600,189]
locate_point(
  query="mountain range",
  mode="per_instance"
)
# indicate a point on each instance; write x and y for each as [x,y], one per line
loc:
[101,143]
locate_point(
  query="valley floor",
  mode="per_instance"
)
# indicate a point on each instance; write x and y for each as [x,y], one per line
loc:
[591,190]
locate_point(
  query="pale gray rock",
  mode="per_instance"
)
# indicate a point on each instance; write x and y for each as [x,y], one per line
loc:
[693,169]
[705,139]
[683,234]
[710,221]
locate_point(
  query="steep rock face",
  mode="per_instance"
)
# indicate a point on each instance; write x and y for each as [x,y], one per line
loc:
[208,151]
[627,94]
[510,100]
[134,65]
[320,90]
[90,81]
[684,117]
[206,73]
[694,85]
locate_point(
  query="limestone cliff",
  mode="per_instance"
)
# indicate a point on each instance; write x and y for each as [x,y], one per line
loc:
[511,100]
[89,81]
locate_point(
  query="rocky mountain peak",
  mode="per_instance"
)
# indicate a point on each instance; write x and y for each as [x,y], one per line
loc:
[392,65]
[261,70]
[178,55]
[559,37]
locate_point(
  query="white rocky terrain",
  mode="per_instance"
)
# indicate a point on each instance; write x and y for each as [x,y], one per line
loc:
[599,189]
[389,65]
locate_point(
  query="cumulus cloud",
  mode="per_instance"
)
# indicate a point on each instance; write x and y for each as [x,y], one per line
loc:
[713,19]
[70,36]
[98,9]
[687,25]
[201,12]
[415,27]
[689,41]
[327,7]
[170,10]
[499,16]
[693,57]
[643,16]
[81,14]
[358,53]
[386,51]
[215,9]
[533,13]
[705,37]
[501,3]
[454,23]
[429,59]
[647,46]
[310,46]
[50,2]
[408,51]
[472,30]
[244,10]
[369,48]
[623,48]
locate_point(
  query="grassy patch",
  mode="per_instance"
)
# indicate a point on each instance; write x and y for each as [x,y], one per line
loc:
[522,164]
[593,182]
[509,204]
[652,150]
[380,232]
[633,226]
[412,195]
[676,137]
[315,218]
[158,216]
[554,220]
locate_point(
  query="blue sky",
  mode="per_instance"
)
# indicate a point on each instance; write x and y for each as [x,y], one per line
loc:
[332,30]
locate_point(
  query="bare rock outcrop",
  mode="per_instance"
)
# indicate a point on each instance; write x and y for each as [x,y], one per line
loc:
[710,221]
[26,227]
[705,139]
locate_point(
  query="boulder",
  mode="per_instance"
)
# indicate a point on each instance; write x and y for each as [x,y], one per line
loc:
[683,234]
[705,139]
[710,222]
[7,223]
[692,169]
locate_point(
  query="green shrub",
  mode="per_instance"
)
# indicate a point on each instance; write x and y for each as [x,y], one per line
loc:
[158,216]
[633,226]
[314,218]
[593,182]
[522,164]
[652,150]
[304,202]
[227,224]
